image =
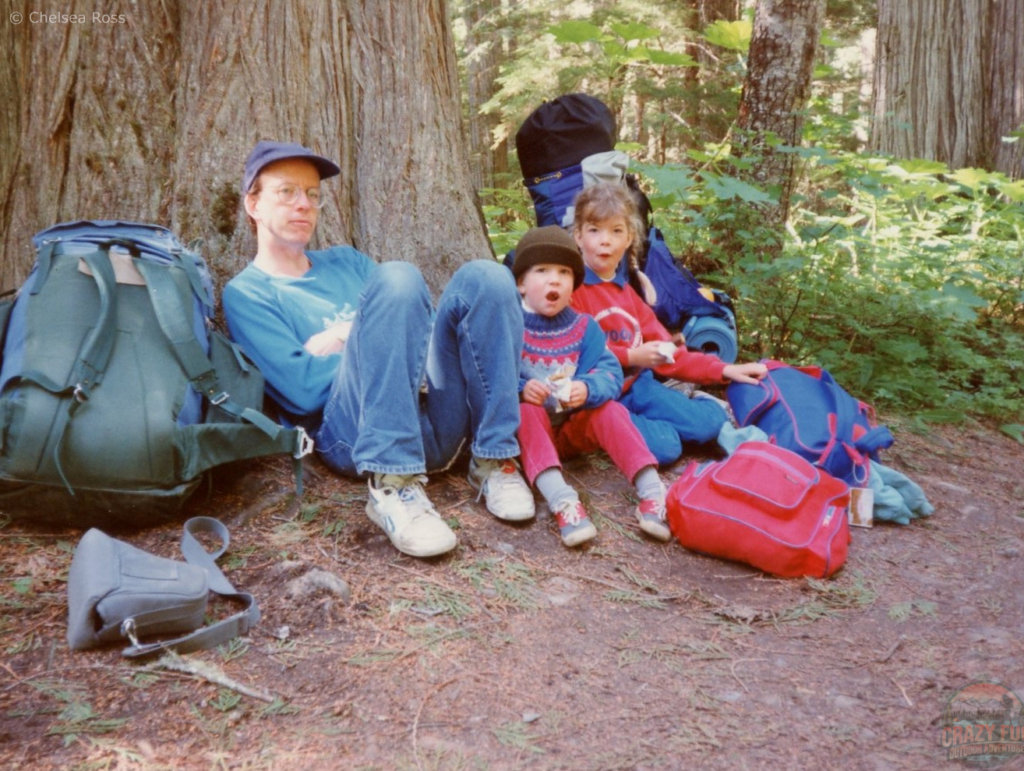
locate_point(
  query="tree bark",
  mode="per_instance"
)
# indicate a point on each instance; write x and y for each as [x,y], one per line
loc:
[1005,87]
[89,123]
[10,147]
[930,80]
[776,89]
[416,199]
[151,119]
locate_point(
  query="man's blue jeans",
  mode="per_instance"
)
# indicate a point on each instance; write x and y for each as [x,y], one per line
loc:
[379,420]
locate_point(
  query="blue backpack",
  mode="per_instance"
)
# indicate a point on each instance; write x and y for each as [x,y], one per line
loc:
[552,144]
[707,326]
[116,394]
[805,410]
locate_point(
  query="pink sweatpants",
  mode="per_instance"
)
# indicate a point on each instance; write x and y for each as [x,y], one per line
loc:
[607,428]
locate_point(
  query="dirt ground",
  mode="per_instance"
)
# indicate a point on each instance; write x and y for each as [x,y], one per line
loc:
[516,653]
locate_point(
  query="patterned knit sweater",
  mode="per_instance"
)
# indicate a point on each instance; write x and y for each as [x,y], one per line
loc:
[568,346]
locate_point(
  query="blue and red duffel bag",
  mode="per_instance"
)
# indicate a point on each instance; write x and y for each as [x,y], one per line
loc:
[805,410]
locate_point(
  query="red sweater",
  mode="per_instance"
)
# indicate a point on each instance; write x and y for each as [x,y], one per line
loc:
[628,322]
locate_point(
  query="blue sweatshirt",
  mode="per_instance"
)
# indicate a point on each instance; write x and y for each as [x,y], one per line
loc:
[272,317]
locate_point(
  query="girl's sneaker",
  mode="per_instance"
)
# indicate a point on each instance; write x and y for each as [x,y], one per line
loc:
[651,516]
[573,523]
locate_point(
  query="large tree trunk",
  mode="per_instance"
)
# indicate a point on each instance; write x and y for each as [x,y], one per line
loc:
[151,119]
[776,89]
[10,122]
[929,80]
[416,199]
[93,126]
[1005,86]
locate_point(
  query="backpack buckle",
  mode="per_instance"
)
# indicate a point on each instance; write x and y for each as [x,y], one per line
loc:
[305,445]
[80,393]
[220,398]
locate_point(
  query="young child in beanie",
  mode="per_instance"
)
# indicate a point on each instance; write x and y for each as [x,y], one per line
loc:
[568,383]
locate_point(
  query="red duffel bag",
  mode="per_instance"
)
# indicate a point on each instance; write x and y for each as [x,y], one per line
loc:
[764,506]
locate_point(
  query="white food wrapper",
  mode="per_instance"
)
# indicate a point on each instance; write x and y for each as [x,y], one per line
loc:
[563,392]
[667,350]
[560,384]
[862,506]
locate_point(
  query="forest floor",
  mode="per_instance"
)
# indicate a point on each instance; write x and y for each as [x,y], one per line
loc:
[514,652]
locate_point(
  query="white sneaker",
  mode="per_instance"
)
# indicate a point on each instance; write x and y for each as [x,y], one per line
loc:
[400,507]
[503,488]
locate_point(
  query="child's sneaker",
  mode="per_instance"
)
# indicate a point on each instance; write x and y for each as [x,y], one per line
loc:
[399,506]
[504,490]
[651,516]
[573,523]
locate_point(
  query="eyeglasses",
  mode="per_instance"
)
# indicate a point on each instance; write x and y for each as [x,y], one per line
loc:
[289,194]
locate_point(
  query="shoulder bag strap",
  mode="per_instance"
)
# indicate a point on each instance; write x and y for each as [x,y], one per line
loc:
[222,631]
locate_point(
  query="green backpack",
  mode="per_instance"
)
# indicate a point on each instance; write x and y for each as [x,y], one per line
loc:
[116,394]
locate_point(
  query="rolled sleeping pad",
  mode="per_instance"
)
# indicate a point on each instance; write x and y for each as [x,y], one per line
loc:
[714,335]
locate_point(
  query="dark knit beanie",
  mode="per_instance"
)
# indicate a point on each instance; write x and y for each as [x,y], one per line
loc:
[549,245]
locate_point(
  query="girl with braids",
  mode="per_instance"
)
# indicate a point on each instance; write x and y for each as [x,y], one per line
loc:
[608,232]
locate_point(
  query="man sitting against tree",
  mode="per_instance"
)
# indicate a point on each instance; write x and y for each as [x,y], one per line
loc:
[355,352]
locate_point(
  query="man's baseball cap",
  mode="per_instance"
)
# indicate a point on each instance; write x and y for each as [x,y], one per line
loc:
[266,152]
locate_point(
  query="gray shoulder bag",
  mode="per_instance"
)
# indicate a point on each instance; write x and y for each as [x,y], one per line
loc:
[117,591]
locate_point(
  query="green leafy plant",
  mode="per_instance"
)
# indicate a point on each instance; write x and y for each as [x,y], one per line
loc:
[226,700]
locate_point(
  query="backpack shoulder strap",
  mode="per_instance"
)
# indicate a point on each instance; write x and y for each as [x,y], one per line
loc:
[94,355]
[222,631]
[176,322]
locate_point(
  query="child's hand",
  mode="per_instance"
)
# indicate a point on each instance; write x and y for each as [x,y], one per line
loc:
[578,393]
[535,392]
[648,355]
[745,373]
